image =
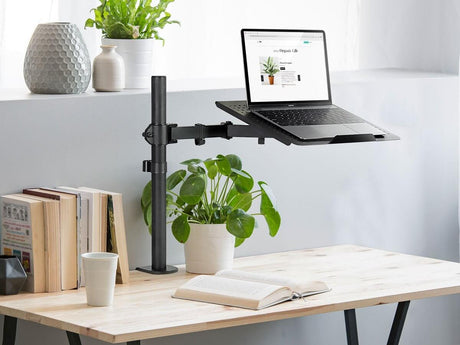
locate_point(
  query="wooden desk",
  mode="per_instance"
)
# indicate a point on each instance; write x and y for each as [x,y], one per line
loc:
[143,309]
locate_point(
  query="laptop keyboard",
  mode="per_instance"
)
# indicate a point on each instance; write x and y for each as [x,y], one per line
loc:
[316,116]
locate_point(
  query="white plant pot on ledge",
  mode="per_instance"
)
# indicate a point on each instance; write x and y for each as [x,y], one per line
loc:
[137,55]
[209,248]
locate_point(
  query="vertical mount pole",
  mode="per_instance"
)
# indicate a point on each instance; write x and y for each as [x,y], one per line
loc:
[158,172]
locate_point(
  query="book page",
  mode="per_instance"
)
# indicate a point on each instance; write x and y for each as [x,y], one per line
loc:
[300,286]
[221,290]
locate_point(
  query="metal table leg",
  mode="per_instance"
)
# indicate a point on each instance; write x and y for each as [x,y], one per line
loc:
[74,338]
[9,330]
[351,327]
[398,323]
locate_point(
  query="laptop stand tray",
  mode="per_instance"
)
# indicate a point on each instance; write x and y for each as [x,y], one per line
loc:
[240,110]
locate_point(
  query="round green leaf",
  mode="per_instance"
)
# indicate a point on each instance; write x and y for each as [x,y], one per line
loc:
[273,219]
[191,161]
[146,198]
[238,241]
[192,189]
[268,198]
[223,165]
[196,169]
[243,181]
[211,167]
[181,228]
[235,161]
[174,179]
[240,224]
[242,201]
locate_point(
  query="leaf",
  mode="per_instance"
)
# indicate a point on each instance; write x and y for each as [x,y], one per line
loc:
[146,198]
[181,228]
[243,181]
[192,189]
[240,224]
[196,169]
[232,193]
[211,167]
[148,217]
[223,165]
[242,201]
[268,198]
[174,179]
[191,161]
[235,161]
[238,241]
[273,219]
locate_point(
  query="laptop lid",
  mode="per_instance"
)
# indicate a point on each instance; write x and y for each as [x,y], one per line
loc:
[286,67]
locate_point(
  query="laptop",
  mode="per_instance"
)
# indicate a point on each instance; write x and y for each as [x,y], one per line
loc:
[287,84]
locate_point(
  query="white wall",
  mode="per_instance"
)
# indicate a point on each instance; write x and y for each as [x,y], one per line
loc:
[399,196]
[414,34]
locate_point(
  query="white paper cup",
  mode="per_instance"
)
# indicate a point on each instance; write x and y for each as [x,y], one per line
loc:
[100,271]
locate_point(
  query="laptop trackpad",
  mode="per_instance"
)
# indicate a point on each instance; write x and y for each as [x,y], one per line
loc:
[330,131]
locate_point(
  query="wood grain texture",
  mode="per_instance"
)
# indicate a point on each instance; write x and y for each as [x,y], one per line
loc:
[359,277]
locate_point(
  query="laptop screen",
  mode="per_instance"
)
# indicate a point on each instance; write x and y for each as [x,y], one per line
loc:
[285,66]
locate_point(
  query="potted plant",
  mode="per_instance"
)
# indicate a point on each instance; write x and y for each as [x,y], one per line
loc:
[209,204]
[271,68]
[132,26]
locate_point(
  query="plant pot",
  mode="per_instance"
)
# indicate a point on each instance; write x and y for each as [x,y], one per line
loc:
[271,79]
[57,60]
[12,275]
[209,248]
[137,55]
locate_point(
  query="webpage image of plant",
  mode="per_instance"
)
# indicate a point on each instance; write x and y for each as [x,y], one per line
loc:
[269,67]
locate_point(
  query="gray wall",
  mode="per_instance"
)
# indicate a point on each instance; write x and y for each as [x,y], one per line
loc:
[399,196]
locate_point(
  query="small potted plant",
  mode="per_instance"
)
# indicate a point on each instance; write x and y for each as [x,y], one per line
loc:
[132,26]
[210,204]
[271,68]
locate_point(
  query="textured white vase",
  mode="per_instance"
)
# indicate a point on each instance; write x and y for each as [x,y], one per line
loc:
[137,55]
[209,248]
[57,60]
[108,70]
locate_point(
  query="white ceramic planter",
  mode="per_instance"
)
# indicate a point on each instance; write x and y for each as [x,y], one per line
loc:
[108,70]
[137,55]
[209,248]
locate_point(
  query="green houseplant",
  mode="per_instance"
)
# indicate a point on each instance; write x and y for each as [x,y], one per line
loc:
[126,19]
[271,68]
[132,26]
[213,193]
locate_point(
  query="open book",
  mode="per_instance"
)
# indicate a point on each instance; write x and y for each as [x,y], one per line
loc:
[246,289]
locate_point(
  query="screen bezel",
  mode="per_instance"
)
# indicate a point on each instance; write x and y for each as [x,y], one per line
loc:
[284,103]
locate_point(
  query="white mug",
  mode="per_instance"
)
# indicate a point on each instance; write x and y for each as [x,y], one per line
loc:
[100,272]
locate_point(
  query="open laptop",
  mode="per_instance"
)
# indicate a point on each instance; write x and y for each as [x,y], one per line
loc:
[287,84]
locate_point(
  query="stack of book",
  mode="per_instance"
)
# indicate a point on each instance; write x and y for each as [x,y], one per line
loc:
[49,228]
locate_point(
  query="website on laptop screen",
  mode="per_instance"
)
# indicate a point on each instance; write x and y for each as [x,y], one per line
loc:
[286,66]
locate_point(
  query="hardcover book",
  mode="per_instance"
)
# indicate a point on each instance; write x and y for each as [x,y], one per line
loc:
[68,225]
[23,228]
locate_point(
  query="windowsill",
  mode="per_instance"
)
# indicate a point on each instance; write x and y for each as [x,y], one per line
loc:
[358,76]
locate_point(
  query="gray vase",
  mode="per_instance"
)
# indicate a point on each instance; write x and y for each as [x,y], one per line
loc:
[12,275]
[57,60]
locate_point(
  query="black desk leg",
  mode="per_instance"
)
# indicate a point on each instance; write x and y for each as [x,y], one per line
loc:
[135,342]
[398,323]
[9,330]
[74,338]
[351,327]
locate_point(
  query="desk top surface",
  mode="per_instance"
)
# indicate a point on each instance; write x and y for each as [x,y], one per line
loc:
[359,277]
